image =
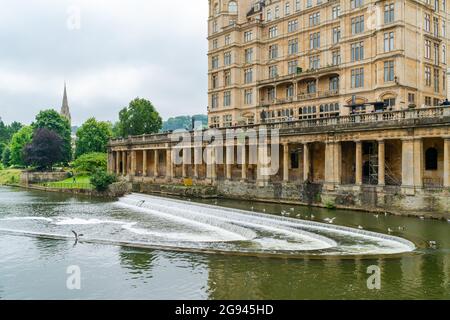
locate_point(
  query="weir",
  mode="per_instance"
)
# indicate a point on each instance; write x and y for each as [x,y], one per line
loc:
[152,222]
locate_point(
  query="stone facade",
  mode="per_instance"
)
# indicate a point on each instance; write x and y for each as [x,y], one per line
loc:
[397,161]
[274,60]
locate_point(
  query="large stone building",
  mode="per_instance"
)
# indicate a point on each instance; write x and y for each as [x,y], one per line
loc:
[350,93]
[298,59]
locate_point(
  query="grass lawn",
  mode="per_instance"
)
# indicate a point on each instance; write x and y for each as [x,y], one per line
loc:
[10,176]
[80,182]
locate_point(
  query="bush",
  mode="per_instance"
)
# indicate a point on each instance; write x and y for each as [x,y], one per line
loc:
[101,180]
[90,162]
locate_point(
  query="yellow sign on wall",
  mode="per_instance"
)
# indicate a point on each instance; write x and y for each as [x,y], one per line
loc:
[188,182]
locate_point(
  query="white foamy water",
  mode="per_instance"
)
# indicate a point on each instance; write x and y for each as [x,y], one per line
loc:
[156,222]
[270,232]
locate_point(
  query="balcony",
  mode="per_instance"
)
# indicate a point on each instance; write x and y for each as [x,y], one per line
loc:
[301,97]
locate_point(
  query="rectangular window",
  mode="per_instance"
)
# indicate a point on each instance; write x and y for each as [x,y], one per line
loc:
[336,34]
[388,41]
[357,25]
[248,75]
[227,58]
[427,49]
[389,71]
[336,12]
[436,53]
[357,51]
[292,25]
[227,78]
[227,98]
[428,76]
[436,80]
[214,101]
[227,120]
[248,36]
[273,32]
[314,40]
[427,22]
[314,62]
[356,3]
[248,96]
[436,27]
[388,13]
[336,58]
[249,55]
[314,19]
[215,62]
[227,40]
[293,46]
[292,67]
[273,71]
[273,51]
[357,78]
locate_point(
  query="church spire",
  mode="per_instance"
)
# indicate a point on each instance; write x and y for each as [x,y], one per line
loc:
[65,111]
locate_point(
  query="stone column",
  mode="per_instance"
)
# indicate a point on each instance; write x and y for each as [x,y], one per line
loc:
[118,155]
[412,163]
[211,164]
[381,163]
[332,163]
[337,163]
[306,162]
[155,163]
[419,163]
[229,158]
[194,164]
[286,162]
[262,169]
[358,164]
[111,161]
[169,165]
[184,164]
[447,162]
[133,163]
[244,162]
[124,163]
[144,163]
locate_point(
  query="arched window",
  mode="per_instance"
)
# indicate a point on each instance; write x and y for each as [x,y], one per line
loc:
[232,7]
[431,159]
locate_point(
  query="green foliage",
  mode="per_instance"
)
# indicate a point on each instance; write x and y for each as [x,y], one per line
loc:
[330,205]
[18,142]
[90,162]
[7,131]
[10,176]
[93,136]
[53,121]
[45,150]
[101,180]
[184,122]
[6,157]
[140,117]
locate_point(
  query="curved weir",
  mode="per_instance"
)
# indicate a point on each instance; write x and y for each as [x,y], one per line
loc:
[145,221]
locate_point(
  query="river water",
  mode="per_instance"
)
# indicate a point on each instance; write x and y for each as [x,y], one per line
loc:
[144,247]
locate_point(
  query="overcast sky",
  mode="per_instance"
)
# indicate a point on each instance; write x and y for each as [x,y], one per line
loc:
[122,49]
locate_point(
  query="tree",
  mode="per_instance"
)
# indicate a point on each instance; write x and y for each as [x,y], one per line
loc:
[53,121]
[93,136]
[101,180]
[184,122]
[18,142]
[46,149]
[90,162]
[7,131]
[140,117]
[6,157]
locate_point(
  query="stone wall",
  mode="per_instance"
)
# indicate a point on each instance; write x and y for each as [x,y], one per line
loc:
[41,177]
